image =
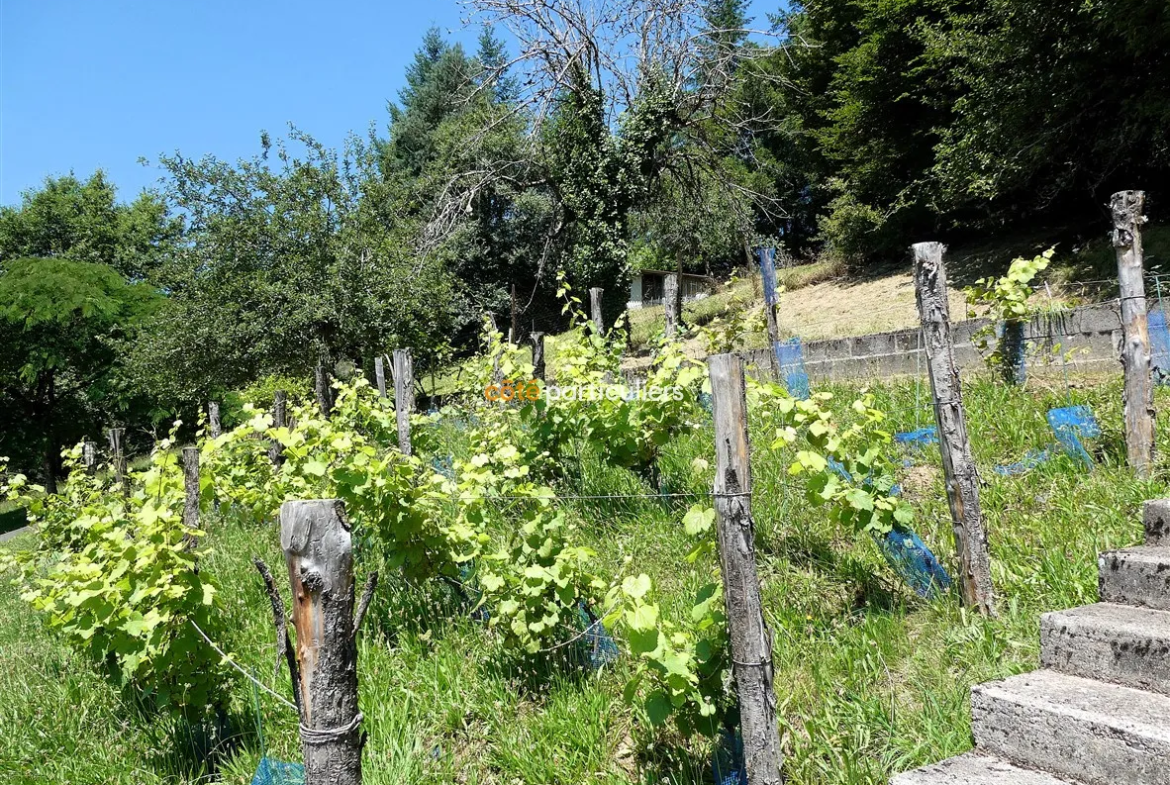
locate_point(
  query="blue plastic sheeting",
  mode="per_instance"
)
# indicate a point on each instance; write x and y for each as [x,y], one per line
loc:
[790,356]
[767,257]
[907,554]
[274,772]
[727,762]
[1071,424]
[1159,346]
[600,647]
[1032,459]
[919,438]
[705,402]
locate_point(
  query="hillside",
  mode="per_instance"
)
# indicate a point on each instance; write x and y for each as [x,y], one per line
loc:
[824,300]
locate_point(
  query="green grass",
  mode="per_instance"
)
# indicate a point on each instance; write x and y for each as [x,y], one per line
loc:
[871,680]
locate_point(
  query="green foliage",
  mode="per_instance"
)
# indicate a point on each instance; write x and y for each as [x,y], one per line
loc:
[83,221]
[845,461]
[61,325]
[1005,300]
[117,576]
[394,505]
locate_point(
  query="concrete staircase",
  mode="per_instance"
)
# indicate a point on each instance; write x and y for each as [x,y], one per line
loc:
[1098,713]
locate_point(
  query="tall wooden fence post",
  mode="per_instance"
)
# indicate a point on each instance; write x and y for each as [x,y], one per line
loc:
[380,375]
[670,305]
[214,425]
[962,478]
[537,340]
[403,397]
[595,310]
[318,549]
[751,641]
[279,420]
[89,457]
[767,258]
[1127,209]
[191,499]
[323,383]
[118,458]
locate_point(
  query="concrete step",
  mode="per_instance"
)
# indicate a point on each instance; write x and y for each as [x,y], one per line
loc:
[1090,731]
[1156,520]
[1115,643]
[975,769]
[1136,576]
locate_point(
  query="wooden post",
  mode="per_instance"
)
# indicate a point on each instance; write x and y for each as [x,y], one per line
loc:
[279,420]
[670,306]
[595,310]
[214,426]
[322,384]
[89,457]
[514,332]
[962,478]
[751,641]
[403,397]
[380,376]
[1127,209]
[537,340]
[767,257]
[118,458]
[318,549]
[191,500]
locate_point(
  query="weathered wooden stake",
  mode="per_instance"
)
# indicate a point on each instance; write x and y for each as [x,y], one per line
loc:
[380,376]
[751,641]
[767,257]
[279,420]
[89,458]
[214,426]
[537,340]
[403,397]
[322,384]
[118,458]
[670,306]
[191,486]
[962,478]
[1127,207]
[318,550]
[595,310]
[514,331]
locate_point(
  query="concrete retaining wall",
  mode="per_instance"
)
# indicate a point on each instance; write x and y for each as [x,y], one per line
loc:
[1088,337]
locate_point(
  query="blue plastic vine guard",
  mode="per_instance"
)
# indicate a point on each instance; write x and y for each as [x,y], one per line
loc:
[907,554]
[1159,346]
[601,649]
[727,761]
[275,772]
[1018,358]
[1070,424]
[790,355]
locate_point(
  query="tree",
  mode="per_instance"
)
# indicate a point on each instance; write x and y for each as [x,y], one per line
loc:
[60,320]
[84,221]
[291,262]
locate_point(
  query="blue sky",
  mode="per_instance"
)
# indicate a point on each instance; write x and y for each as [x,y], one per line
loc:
[87,84]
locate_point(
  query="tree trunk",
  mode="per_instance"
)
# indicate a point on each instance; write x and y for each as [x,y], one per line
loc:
[380,376]
[214,428]
[538,370]
[595,309]
[771,303]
